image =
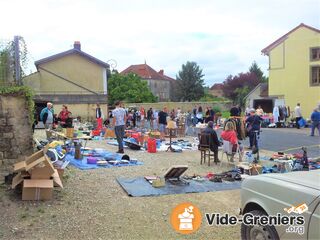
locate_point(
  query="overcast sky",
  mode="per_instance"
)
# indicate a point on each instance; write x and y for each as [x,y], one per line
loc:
[223,36]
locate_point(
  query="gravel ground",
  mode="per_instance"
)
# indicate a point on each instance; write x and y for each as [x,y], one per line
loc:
[92,205]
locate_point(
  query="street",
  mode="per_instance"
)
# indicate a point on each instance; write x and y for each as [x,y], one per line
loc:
[289,140]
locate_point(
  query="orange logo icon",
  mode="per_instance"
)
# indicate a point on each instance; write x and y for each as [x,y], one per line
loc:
[186,218]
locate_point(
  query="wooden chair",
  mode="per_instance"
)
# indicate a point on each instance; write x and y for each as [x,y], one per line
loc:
[204,147]
[227,150]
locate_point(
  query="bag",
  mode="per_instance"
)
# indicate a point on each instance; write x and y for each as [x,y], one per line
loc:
[302,122]
[249,128]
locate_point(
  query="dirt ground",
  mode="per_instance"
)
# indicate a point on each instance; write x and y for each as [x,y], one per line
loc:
[92,205]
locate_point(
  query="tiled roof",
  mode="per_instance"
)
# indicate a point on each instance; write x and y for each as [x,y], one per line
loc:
[146,72]
[217,86]
[267,49]
[69,52]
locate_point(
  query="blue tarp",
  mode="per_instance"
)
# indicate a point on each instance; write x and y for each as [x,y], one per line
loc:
[83,165]
[139,187]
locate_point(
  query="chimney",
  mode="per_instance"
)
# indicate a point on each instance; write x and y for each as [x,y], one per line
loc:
[77,45]
[161,71]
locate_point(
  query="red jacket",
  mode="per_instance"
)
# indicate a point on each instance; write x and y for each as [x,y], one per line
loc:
[230,136]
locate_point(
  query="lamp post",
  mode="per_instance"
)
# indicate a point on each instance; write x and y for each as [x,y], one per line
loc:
[112,63]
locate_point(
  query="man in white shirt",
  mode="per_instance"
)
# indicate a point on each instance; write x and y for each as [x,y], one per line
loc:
[297,111]
[119,120]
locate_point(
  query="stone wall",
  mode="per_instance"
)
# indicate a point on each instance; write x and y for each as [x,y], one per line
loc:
[15,131]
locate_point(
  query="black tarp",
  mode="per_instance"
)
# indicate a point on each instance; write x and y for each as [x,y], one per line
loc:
[139,187]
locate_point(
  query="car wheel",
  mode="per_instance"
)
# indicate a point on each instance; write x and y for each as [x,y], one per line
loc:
[258,232]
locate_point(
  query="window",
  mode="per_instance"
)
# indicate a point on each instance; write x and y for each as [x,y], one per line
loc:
[315,54]
[315,76]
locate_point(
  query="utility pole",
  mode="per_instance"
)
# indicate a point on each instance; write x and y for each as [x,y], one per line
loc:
[17,60]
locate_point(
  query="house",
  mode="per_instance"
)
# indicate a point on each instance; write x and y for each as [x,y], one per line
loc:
[259,96]
[294,68]
[74,78]
[159,84]
[216,90]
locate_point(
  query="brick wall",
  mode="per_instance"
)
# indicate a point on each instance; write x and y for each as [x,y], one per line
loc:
[15,132]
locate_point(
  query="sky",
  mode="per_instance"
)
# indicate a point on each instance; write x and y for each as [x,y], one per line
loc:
[222,37]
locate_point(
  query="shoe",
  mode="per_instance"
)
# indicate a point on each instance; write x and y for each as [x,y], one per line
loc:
[120,151]
[311,135]
[217,161]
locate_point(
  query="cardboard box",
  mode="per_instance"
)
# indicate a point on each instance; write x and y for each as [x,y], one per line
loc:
[30,161]
[16,180]
[56,179]
[42,170]
[110,133]
[69,132]
[60,172]
[37,190]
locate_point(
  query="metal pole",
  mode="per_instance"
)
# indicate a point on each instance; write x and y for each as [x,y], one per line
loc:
[17,60]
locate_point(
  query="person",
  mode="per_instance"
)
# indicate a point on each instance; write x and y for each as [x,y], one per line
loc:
[119,120]
[229,134]
[212,113]
[247,111]
[194,110]
[173,115]
[297,111]
[65,117]
[254,122]
[207,115]
[200,115]
[155,121]
[162,122]
[214,142]
[259,111]
[188,122]
[47,116]
[134,118]
[142,116]
[99,116]
[150,118]
[315,121]
[234,111]
[179,113]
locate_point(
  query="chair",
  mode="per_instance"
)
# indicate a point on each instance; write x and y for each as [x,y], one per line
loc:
[204,147]
[227,150]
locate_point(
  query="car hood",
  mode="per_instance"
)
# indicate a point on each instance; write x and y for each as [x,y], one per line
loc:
[309,179]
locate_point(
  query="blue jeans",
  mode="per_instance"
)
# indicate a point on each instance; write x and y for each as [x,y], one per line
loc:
[119,131]
[314,125]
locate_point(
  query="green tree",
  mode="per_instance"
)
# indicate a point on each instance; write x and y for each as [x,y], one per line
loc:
[241,93]
[190,82]
[129,88]
[254,68]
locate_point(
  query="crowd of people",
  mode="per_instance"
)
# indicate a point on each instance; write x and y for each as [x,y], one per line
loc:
[121,119]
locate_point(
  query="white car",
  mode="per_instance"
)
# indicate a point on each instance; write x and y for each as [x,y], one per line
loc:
[289,204]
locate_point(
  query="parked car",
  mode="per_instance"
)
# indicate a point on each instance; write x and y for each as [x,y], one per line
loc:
[282,194]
